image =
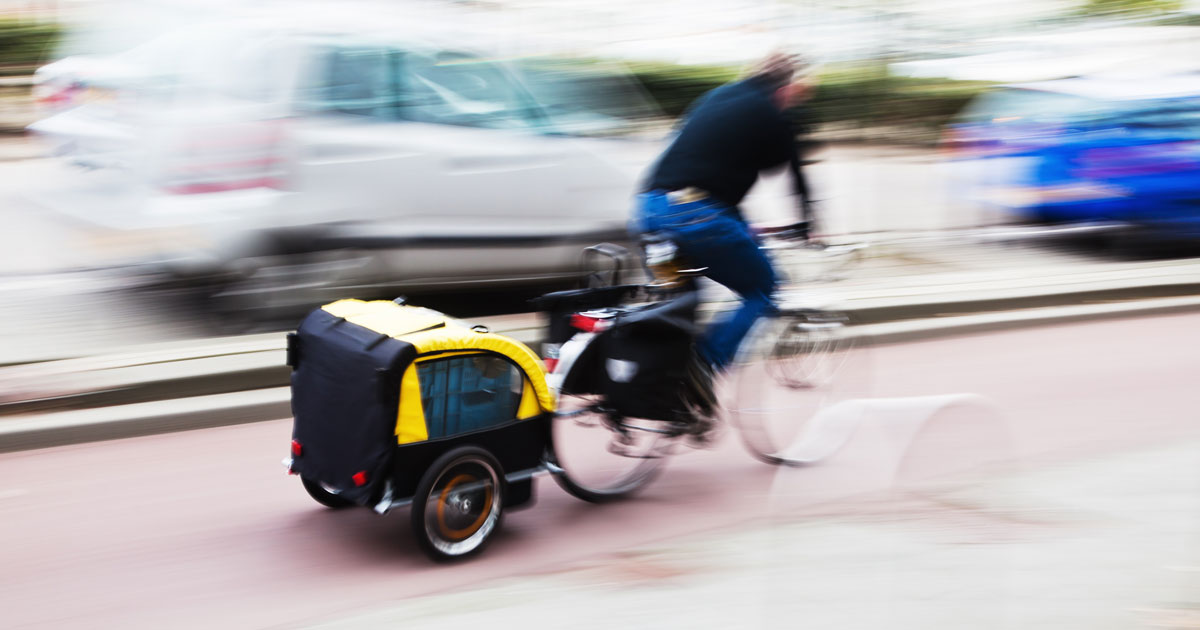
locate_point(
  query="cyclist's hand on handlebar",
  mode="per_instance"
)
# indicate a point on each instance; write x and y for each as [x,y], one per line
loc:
[797,231]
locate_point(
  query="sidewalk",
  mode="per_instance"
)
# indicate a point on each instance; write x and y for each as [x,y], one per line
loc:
[1105,542]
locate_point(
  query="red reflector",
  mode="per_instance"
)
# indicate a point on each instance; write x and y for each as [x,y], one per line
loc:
[550,364]
[582,322]
[296,448]
[360,478]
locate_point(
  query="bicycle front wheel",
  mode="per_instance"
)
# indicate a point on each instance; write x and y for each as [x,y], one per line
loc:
[801,364]
[598,456]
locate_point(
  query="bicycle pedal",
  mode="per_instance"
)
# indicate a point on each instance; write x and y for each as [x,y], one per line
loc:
[622,444]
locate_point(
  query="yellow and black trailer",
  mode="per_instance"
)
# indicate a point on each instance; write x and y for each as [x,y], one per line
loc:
[396,404]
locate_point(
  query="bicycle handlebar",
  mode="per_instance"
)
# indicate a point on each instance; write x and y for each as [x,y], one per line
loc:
[797,231]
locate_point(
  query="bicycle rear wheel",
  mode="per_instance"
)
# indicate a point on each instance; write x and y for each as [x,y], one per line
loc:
[599,457]
[800,365]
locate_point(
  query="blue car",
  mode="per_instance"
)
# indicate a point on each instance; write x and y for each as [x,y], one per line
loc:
[1119,153]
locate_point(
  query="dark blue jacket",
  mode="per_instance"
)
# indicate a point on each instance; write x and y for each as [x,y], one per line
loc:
[728,136]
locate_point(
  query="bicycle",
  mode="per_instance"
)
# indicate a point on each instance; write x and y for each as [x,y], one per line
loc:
[606,444]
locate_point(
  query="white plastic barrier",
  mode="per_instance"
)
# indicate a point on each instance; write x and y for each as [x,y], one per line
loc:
[878,443]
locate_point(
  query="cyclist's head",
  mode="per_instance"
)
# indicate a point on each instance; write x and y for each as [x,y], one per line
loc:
[787,74]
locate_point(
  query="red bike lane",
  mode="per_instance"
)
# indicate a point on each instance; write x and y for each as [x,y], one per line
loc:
[204,529]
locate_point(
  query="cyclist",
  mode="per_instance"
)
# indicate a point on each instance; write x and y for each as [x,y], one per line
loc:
[729,135]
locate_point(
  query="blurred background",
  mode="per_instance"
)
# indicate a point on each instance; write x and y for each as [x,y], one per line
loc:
[259,158]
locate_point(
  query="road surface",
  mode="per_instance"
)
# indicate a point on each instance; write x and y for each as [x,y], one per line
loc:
[203,529]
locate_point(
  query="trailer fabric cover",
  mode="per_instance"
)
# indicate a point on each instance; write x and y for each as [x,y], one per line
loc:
[345,391]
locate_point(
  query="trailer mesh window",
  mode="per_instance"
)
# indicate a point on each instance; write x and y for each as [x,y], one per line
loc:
[468,393]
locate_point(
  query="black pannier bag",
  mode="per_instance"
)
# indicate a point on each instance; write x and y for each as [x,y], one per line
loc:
[559,308]
[643,360]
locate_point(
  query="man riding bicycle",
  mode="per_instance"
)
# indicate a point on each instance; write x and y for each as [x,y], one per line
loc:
[691,196]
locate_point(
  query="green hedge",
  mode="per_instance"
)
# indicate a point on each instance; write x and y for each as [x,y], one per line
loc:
[25,45]
[675,87]
[862,94]
[868,95]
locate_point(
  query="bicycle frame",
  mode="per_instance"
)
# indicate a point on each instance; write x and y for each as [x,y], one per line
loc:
[593,316]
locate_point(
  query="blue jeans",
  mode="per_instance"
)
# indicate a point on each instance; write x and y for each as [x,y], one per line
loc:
[711,234]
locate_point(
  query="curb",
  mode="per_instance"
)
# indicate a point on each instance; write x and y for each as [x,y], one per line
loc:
[869,314]
[139,419]
[216,366]
[941,327]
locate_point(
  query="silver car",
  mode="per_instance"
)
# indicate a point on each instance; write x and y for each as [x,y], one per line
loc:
[279,159]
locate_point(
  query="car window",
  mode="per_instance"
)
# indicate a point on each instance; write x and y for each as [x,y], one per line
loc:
[468,393]
[1032,107]
[585,97]
[354,81]
[460,89]
[1179,116]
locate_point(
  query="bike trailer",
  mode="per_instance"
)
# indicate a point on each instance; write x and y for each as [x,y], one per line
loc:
[382,392]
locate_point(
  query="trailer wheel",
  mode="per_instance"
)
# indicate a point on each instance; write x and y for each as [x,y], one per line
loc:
[458,503]
[320,494]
